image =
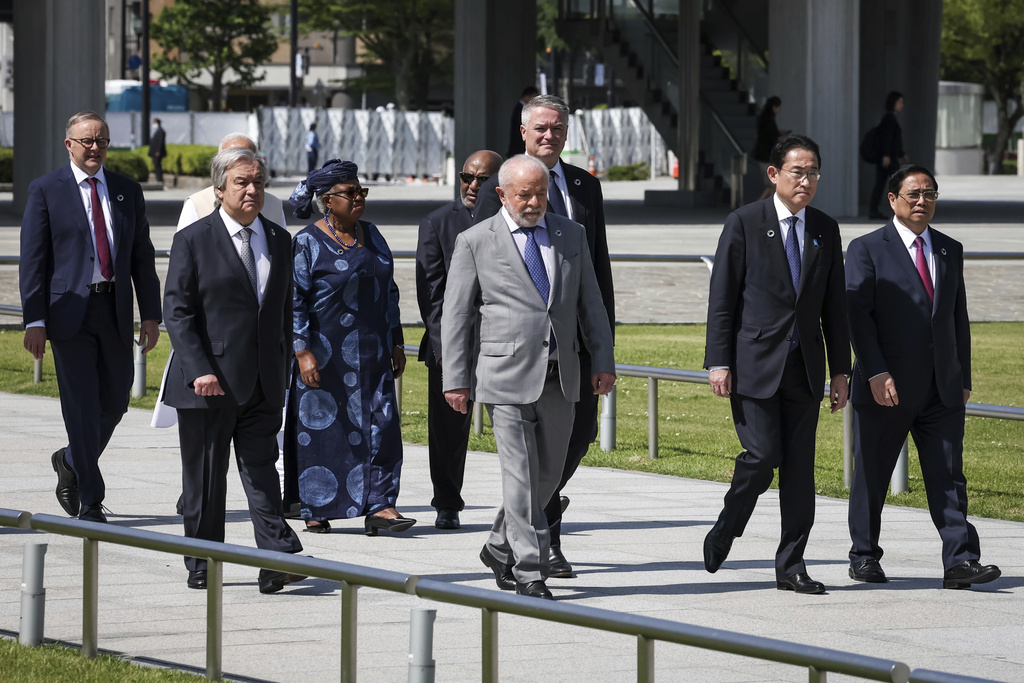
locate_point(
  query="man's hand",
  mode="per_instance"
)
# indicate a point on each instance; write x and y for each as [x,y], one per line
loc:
[149,332]
[458,399]
[839,392]
[602,383]
[309,369]
[398,361]
[883,388]
[208,385]
[35,341]
[721,382]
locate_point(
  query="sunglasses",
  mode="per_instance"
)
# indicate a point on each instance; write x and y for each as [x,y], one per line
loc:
[468,178]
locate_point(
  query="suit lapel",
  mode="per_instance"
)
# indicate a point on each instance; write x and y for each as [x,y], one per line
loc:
[557,240]
[74,197]
[908,272]
[812,249]
[577,195]
[223,242]
[273,253]
[115,194]
[942,286]
[505,248]
[773,246]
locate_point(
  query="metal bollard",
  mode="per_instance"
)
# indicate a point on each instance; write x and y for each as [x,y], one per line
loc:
[478,418]
[139,384]
[33,594]
[37,371]
[900,482]
[421,645]
[608,424]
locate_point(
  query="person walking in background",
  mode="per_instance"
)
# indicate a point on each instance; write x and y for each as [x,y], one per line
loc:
[889,138]
[912,339]
[516,145]
[84,243]
[768,134]
[447,429]
[778,283]
[158,150]
[343,441]
[312,147]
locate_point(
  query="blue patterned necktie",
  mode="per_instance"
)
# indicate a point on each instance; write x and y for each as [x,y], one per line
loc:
[793,256]
[555,202]
[535,264]
[248,261]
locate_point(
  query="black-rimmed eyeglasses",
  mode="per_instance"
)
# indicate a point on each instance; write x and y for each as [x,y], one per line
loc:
[351,196]
[102,143]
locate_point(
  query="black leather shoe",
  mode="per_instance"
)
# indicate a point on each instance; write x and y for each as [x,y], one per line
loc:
[395,524]
[800,583]
[563,502]
[179,507]
[558,566]
[197,579]
[319,526]
[867,571]
[971,571]
[502,572]
[447,519]
[534,589]
[92,513]
[271,581]
[67,484]
[716,549]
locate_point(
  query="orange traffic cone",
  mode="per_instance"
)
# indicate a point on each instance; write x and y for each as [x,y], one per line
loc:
[591,166]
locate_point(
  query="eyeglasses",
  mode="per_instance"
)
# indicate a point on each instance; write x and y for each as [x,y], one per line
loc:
[915,197]
[102,143]
[468,178]
[798,176]
[351,196]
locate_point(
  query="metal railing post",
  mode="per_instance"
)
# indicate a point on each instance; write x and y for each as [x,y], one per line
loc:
[349,610]
[33,594]
[214,619]
[139,383]
[608,418]
[652,418]
[644,660]
[37,371]
[489,646]
[421,645]
[848,445]
[478,418]
[900,482]
[90,595]
[815,675]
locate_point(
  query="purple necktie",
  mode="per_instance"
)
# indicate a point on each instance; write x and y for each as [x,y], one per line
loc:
[922,269]
[100,228]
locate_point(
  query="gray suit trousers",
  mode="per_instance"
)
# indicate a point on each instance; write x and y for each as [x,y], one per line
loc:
[532,440]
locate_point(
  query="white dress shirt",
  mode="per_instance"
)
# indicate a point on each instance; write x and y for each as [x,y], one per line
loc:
[85,191]
[908,236]
[801,224]
[563,187]
[543,241]
[258,244]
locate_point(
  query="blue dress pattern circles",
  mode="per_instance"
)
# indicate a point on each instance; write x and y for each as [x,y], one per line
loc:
[343,443]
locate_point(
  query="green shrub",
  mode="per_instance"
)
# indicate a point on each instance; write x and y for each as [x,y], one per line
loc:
[127,163]
[637,171]
[6,165]
[191,160]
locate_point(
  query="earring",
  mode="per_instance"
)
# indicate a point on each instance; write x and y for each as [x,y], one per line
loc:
[327,213]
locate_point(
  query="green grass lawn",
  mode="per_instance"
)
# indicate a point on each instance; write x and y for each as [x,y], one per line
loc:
[57,664]
[696,434]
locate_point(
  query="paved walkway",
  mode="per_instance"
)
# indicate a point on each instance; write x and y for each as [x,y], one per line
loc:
[634,538]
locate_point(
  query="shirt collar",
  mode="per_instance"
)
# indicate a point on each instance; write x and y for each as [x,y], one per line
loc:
[783,211]
[234,226]
[908,236]
[81,176]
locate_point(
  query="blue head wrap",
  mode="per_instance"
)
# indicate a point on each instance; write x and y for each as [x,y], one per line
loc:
[321,180]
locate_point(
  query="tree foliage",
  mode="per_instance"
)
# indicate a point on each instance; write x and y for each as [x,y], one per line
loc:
[983,42]
[411,40]
[214,37]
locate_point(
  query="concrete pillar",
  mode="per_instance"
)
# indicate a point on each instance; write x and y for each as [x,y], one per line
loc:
[815,52]
[59,60]
[495,58]
[688,130]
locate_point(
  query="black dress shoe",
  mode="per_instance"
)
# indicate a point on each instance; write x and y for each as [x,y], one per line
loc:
[319,526]
[197,579]
[271,581]
[67,484]
[502,572]
[447,519]
[558,566]
[92,513]
[179,507]
[563,502]
[716,549]
[395,524]
[867,571]
[971,571]
[534,589]
[800,583]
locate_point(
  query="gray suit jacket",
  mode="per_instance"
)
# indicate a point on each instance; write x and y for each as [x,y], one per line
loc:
[495,326]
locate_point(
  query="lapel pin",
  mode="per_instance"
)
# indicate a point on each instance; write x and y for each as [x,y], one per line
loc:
[771,233]
[815,242]
[120,197]
[558,233]
[577,182]
[943,250]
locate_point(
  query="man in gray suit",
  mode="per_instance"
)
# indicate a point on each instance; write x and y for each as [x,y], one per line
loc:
[518,284]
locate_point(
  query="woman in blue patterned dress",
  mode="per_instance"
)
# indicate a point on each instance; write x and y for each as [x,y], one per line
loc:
[343,445]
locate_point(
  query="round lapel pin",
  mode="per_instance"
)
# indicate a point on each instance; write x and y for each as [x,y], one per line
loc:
[771,233]
[120,197]
[577,182]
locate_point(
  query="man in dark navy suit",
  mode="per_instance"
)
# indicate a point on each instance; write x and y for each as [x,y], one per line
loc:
[84,242]
[912,339]
[447,429]
[575,194]
[777,285]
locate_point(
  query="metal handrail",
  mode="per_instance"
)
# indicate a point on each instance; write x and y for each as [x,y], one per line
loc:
[817,660]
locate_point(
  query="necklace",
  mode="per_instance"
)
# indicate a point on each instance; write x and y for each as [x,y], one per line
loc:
[355,239]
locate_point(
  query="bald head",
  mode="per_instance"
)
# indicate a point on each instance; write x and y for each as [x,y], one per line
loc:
[478,168]
[237,140]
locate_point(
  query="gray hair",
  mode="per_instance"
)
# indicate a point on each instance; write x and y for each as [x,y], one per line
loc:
[546,102]
[230,137]
[319,203]
[222,161]
[516,165]
[84,116]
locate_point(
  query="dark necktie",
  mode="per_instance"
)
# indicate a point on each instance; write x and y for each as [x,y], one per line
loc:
[922,269]
[535,263]
[555,202]
[793,256]
[248,261]
[99,227]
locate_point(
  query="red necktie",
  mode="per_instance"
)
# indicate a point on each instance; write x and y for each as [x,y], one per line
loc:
[922,269]
[100,228]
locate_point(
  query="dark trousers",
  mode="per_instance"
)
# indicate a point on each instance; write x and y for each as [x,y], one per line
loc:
[776,432]
[878,190]
[206,435]
[311,159]
[158,168]
[584,431]
[447,439]
[938,431]
[94,376]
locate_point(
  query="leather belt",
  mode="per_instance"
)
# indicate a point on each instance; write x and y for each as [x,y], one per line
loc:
[102,288]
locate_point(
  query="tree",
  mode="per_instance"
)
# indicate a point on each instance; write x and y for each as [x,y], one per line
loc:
[214,37]
[412,40]
[983,41]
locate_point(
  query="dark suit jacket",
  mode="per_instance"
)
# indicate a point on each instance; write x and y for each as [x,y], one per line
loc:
[156,143]
[57,254]
[752,305]
[516,144]
[437,234]
[588,210]
[215,323]
[896,329]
